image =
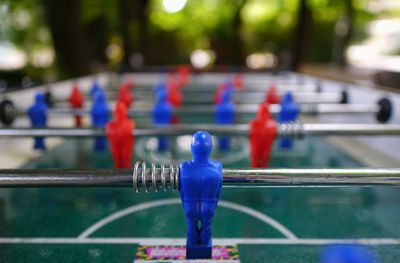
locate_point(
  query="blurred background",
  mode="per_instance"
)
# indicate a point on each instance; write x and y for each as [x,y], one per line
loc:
[47,40]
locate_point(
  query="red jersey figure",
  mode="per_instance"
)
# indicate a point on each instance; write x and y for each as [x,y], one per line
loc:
[76,102]
[183,75]
[125,95]
[238,81]
[263,132]
[174,97]
[272,95]
[120,136]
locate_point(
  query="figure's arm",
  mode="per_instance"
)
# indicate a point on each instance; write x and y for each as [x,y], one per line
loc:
[181,193]
[220,183]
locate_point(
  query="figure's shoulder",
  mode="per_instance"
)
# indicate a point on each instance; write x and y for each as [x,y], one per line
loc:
[217,165]
[185,164]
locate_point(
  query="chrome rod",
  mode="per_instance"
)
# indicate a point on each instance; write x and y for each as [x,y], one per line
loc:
[296,129]
[305,109]
[231,177]
[309,97]
[248,87]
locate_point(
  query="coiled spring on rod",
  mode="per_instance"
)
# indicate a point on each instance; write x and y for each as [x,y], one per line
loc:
[290,129]
[155,178]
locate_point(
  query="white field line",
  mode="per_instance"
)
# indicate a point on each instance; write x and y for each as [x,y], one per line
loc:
[182,241]
[173,201]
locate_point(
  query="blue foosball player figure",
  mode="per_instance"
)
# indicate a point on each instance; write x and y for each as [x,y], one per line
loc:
[348,254]
[225,115]
[95,88]
[38,116]
[100,116]
[289,113]
[162,115]
[200,190]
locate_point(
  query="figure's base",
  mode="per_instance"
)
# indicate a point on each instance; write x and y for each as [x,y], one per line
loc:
[198,252]
[177,254]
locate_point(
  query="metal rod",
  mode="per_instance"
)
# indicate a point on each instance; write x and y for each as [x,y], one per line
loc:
[296,129]
[150,79]
[305,109]
[258,97]
[350,129]
[231,177]
[249,87]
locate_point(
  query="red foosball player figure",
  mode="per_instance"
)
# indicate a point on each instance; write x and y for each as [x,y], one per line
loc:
[76,102]
[120,136]
[238,81]
[125,95]
[262,135]
[174,97]
[183,75]
[272,95]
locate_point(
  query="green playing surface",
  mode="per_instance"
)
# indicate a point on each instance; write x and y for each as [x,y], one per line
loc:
[268,224]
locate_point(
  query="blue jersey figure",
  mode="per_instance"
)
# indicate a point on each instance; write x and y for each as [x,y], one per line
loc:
[160,87]
[38,116]
[200,188]
[162,115]
[95,88]
[100,115]
[225,115]
[348,254]
[289,113]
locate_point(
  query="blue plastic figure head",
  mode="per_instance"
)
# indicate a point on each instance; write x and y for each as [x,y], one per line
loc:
[161,96]
[160,87]
[99,96]
[201,146]
[287,98]
[226,96]
[348,254]
[39,98]
[96,87]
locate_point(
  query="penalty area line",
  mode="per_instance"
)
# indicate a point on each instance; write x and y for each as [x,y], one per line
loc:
[182,241]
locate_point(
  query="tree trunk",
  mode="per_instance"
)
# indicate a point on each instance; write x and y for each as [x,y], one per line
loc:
[64,20]
[125,20]
[227,42]
[302,33]
[347,36]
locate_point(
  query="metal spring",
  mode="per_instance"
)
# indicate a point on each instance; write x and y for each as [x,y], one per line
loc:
[161,178]
[290,129]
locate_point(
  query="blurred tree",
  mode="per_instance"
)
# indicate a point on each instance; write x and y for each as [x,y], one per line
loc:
[226,40]
[302,33]
[64,20]
[94,35]
[132,21]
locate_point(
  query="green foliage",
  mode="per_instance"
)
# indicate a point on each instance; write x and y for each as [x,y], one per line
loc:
[24,25]
[268,25]
[249,25]
[195,22]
